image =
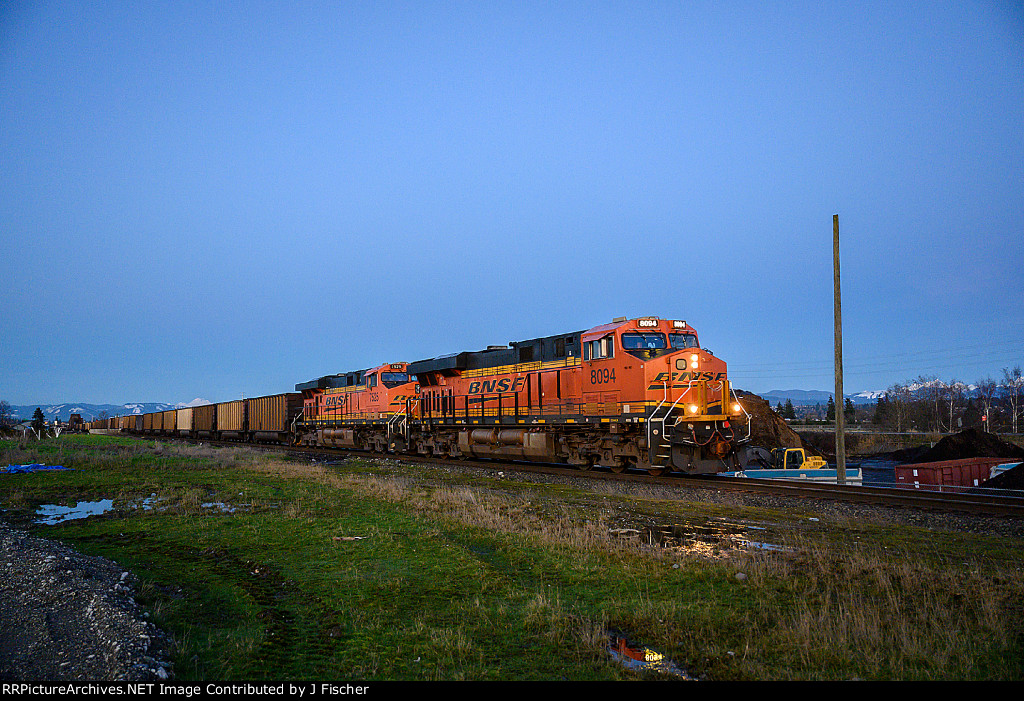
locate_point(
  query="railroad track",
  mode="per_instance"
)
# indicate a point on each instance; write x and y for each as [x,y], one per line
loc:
[948,502]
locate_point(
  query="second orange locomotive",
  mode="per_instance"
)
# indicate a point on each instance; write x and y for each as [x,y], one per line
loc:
[637,393]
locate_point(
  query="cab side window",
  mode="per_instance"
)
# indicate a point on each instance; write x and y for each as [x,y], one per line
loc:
[601,348]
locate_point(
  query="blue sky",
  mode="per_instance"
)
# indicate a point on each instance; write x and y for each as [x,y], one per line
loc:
[223,199]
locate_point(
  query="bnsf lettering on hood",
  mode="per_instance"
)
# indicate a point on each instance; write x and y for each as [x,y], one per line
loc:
[505,384]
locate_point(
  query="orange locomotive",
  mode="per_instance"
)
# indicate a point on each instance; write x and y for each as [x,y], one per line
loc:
[362,409]
[634,393]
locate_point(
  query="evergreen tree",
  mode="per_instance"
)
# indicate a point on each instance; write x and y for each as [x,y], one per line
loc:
[38,421]
[882,410]
[789,412]
[849,412]
[830,410]
[972,415]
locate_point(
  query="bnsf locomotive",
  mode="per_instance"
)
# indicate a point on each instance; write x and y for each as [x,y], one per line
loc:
[635,393]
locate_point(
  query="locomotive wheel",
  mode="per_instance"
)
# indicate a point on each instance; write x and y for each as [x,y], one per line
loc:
[655,471]
[617,468]
[586,465]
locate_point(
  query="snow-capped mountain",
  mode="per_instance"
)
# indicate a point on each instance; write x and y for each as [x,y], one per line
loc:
[92,411]
[803,397]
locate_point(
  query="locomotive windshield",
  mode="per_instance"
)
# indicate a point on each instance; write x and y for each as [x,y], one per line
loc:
[682,340]
[650,345]
[635,341]
[393,379]
[644,345]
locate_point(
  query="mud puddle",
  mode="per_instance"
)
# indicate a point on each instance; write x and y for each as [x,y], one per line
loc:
[70,510]
[635,656]
[709,539]
[51,514]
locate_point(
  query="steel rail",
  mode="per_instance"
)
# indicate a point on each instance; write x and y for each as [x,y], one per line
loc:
[948,502]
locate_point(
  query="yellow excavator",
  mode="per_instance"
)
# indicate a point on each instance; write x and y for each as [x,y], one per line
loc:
[795,459]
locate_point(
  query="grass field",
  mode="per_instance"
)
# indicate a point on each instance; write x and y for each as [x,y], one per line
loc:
[264,567]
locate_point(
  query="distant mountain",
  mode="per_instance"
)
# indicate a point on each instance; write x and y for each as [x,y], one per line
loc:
[92,411]
[805,397]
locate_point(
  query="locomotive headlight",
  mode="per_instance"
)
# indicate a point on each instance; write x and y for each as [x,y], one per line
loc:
[693,408]
[735,408]
[693,361]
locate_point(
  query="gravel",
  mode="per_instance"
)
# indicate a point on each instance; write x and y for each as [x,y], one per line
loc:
[65,616]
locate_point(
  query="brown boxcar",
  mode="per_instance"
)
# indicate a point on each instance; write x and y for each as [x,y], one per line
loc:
[170,421]
[270,418]
[204,420]
[231,419]
[184,421]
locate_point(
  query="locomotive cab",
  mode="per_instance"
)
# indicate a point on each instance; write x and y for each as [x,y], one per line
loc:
[360,409]
[654,371]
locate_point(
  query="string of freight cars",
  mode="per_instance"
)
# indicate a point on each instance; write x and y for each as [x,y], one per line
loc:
[634,393]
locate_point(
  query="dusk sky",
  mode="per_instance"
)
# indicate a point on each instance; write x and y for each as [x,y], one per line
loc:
[224,199]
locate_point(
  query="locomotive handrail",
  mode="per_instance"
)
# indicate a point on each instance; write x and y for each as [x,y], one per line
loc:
[750,422]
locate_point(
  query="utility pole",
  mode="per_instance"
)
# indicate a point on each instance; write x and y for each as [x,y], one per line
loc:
[840,417]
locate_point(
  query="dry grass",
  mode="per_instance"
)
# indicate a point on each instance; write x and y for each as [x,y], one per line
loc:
[890,614]
[835,603]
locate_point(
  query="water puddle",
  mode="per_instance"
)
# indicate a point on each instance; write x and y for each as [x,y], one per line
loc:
[709,539]
[221,506]
[155,503]
[637,657]
[50,514]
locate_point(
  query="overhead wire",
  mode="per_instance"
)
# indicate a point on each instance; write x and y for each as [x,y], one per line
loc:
[961,351]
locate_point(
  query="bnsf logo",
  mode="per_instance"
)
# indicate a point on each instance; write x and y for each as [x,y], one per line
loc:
[688,376]
[505,384]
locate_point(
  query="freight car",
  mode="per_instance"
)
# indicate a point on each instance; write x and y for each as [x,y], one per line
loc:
[636,393]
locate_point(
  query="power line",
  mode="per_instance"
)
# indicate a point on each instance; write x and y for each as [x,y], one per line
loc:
[964,351]
[958,361]
[749,376]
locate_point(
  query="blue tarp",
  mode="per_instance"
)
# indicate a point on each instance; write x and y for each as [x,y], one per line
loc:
[35,467]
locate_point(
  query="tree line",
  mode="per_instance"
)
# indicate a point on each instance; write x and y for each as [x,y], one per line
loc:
[931,404]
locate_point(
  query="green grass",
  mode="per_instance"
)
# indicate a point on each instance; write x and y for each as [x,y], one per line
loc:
[369,570]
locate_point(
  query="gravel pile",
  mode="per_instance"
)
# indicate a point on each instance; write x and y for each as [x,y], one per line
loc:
[65,616]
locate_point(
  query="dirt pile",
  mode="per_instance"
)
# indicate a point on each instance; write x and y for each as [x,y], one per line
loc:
[971,444]
[768,429]
[1011,479]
